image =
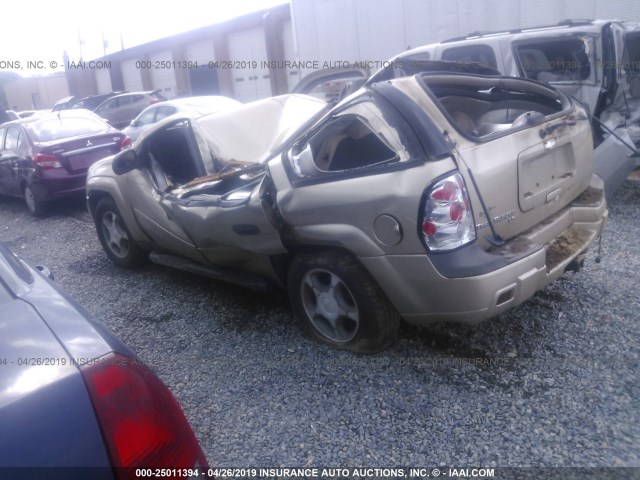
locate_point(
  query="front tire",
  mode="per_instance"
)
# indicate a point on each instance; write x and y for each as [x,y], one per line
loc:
[36,207]
[114,236]
[340,304]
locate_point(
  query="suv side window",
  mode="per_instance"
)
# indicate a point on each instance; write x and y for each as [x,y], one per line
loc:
[147,118]
[125,100]
[482,54]
[554,60]
[108,105]
[164,112]
[359,138]
[13,139]
[347,143]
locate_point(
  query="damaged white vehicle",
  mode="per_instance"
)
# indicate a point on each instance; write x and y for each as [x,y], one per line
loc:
[596,62]
[433,197]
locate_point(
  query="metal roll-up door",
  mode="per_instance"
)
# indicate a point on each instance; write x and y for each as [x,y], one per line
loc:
[131,76]
[163,75]
[246,50]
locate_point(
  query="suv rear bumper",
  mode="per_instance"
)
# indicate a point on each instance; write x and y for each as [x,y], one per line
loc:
[421,294]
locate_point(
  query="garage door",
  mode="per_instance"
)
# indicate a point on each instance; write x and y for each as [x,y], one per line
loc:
[163,77]
[201,52]
[103,80]
[246,50]
[131,76]
[203,80]
[293,75]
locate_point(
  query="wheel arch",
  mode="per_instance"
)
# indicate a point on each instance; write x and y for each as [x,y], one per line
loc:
[381,318]
[108,188]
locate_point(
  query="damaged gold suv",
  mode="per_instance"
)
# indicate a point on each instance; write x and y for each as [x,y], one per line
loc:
[435,197]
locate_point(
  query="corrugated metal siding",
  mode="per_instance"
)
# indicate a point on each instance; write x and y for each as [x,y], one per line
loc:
[131,76]
[379,43]
[332,30]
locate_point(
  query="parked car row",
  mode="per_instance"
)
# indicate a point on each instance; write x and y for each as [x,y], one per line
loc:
[198,105]
[88,103]
[45,157]
[116,108]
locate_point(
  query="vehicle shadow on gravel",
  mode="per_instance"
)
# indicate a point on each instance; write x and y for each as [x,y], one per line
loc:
[75,206]
[522,331]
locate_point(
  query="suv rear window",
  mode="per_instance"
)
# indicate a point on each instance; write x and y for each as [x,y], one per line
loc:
[554,60]
[481,54]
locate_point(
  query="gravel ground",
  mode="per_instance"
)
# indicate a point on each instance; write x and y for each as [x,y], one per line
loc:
[555,382]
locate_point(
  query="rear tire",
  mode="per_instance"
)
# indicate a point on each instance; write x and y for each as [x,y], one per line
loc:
[340,304]
[36,207]
[114,236]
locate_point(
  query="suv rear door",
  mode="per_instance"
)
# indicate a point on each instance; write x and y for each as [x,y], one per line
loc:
[525,173]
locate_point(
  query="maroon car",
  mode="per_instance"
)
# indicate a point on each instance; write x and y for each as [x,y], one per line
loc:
[46,157]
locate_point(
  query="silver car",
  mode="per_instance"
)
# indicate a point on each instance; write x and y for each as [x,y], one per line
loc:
[197,105]
[119,110]
[435,197]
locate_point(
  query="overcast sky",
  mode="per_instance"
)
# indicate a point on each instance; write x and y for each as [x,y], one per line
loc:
[38,30]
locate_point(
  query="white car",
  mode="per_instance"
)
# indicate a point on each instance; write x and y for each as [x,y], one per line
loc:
[156,112]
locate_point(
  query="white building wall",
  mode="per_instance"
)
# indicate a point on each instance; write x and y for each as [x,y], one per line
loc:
[339,30]
[293,74]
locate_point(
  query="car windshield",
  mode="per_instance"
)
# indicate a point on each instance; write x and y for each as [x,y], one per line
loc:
[64,127]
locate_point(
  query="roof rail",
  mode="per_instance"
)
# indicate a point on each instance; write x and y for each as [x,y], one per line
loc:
[478,34]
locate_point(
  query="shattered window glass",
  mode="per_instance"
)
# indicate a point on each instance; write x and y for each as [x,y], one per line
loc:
[359,137]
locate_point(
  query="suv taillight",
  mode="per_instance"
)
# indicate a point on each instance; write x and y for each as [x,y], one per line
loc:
[46,162]
[142,423]
[125,142]
[447,219]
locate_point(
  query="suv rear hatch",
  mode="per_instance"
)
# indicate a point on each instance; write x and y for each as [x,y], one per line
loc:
[530,149]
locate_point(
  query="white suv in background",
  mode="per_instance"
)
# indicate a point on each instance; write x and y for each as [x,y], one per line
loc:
[596,62]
